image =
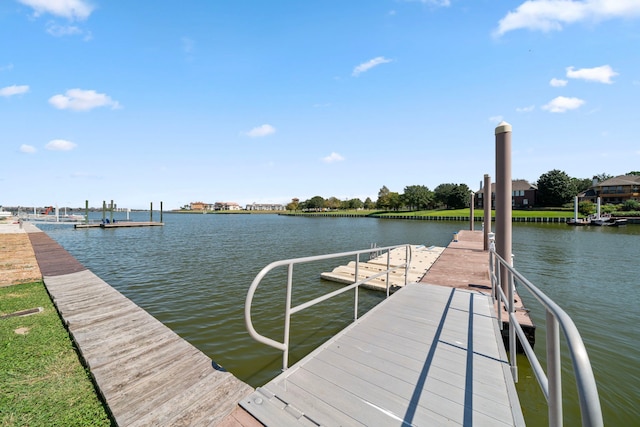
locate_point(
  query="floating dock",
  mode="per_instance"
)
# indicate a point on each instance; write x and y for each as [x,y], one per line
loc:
[427,356]
[120,224]
[422,258]
[464,264]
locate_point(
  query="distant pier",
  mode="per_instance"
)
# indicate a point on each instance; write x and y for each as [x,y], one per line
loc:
[120,224]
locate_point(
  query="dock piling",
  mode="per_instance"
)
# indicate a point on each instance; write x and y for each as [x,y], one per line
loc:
[503,196]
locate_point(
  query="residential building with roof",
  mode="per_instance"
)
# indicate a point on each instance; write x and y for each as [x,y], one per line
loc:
[265,207]
[613,190]
[523,195]
[226,206]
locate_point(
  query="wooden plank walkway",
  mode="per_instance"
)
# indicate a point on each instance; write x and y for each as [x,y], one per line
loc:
[465,265]
[145,372]
[429,355]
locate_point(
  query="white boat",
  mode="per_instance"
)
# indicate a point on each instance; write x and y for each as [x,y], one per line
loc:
[5,214]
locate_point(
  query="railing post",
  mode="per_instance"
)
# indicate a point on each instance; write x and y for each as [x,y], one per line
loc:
[287,318]
[512,329]
[388,267]
[355,305]
[407,260]
[554,375]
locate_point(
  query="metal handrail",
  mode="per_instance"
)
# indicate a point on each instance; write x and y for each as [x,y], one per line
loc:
[556,318]
[284,346]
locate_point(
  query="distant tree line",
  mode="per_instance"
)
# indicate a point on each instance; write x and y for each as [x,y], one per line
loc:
[555,189]
[415,197]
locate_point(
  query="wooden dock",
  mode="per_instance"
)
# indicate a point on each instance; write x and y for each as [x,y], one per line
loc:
[465,265]
[120,224]
[145,372]
[422,258]
[429,355]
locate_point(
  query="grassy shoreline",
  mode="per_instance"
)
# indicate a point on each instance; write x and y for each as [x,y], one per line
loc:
[478,213]
[43,382]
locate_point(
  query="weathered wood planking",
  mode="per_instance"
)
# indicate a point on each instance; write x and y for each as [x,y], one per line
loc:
[145,372]
[429,355]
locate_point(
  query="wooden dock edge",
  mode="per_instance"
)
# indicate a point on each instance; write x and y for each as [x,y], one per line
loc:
[145,383]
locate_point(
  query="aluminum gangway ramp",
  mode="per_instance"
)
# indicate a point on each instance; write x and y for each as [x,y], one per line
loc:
[427,356]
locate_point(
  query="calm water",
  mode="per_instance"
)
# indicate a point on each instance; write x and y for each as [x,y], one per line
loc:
[193,275]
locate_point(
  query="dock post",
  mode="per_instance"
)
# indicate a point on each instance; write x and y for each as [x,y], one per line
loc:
[104,210]
[151,212]
[111,211]
[161,211]
[471,213]
[503,198]
[486,196]
[86,212]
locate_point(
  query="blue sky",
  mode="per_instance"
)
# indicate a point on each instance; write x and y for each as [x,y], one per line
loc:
[256,101]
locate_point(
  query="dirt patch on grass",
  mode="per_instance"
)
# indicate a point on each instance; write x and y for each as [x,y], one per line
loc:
[17,260]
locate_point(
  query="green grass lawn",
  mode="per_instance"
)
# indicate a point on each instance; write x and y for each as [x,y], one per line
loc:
[42,382]
[478,213]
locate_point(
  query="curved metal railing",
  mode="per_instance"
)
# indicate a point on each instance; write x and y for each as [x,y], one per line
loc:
[284,346]
[556,319]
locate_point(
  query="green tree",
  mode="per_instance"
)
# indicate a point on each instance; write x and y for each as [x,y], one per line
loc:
[354,204]
[580,185]
[555,188]
[602,176]
[293,205]
[368,203]
[418,197]
[636,173]
[630,205]
[383,201]
[452,196]
[332,203]
[395,201]
[315,203]
[586,207]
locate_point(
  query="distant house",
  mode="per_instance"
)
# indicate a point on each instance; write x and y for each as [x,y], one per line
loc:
[523,195]
[264,207]
[200,206]
[613,190]
[226,206]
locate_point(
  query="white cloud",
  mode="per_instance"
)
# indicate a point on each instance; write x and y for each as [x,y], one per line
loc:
[70,9]
[6,67]
[29,149]
[63,30]
[562,104]
[528,109]
[332,158]
[442,3]
[261,131]
[558,82]
[602,74]
[13,90]
[552,15]
[82,100]
[60,145]
[496,119]
[366,66]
